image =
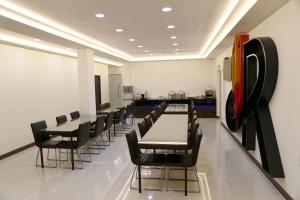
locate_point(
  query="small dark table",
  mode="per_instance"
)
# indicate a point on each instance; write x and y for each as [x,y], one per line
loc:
[68,129]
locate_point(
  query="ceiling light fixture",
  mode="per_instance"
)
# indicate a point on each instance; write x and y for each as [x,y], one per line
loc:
[140,46]
[131,40]
[36,39]
[100,15]
[166,9]
[119,30]
[175,44]
[176,49]
[171,26]
[173,37]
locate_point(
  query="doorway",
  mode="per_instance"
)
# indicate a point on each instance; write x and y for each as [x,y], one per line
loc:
[98,91]
[115,90]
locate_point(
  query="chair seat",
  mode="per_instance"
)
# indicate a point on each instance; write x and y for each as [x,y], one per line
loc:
[177,160]
[67,145]
[50,143]
[152,159]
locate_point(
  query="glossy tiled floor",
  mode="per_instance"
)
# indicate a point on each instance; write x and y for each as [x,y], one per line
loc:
[230,175]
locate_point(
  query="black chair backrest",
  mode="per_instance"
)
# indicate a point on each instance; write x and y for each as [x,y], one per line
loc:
[75,115]
[154,115]
[195,150]
[100,124]
[194,131]
[109,120]
[122,114]
[38,137]
[148,121]
[61,119]
[142,128]
[107,105]
[134,151]
[102,106]
[83,134]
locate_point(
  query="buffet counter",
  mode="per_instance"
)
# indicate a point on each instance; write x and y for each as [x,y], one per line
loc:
[205,106]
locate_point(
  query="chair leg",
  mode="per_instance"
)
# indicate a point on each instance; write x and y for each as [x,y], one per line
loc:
[36,160]
[78,152]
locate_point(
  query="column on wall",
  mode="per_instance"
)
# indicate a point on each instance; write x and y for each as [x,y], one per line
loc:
[86,72]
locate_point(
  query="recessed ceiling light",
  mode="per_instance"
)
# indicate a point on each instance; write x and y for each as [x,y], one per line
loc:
[173,37]
[171,26]
[131,40]
[36,39]
[119,30]
[146,51]
[166,9]
[176,49]
[140,46]
[175,44]
[100,15]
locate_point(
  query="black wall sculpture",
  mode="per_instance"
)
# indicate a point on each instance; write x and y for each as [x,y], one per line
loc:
[260,73]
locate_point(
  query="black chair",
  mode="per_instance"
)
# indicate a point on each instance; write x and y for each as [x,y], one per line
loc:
[75,115]
[148,121]
[192,135]
[107,105]
[178,160]
[108,125]
[61,119]
[142,159]
[143,128]
[192,122]
[98,132]
[43,141]
[118,119]
[154,116]
[130,112]
[82,139]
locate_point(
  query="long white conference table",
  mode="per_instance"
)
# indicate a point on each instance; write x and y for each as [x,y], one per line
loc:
[168,132]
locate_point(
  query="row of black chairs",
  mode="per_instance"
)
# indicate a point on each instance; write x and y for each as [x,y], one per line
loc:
[88,136]
[166,159]
[150,119]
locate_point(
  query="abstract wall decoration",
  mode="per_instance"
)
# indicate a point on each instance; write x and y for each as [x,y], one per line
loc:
[254,77]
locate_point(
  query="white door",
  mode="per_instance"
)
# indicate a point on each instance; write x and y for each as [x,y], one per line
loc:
[115,90]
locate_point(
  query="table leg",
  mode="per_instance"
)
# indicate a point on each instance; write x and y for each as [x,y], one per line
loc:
[185,172]
[140,179]
[72,155]
[42,158]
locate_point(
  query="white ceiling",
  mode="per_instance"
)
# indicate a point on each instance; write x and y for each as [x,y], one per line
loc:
[141,19]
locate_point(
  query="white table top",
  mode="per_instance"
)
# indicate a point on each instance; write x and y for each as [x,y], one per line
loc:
[177,108]
[167,130]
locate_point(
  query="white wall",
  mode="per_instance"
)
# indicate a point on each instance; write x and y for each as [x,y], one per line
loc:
[283,27]
[34,86]
[102,71]
[158,78]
